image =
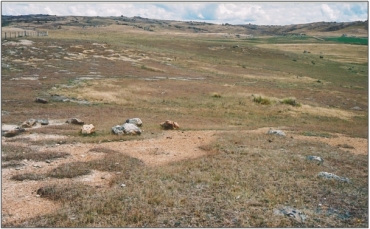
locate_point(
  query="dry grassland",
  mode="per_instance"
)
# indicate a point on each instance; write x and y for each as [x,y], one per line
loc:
[221,169]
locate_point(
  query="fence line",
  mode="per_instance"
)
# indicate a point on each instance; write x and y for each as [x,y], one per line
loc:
[24,33]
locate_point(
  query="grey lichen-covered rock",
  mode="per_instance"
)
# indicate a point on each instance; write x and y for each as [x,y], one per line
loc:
[316,159]
[75,121]
[118,130]
[14,132]
[131,129]
[88,129]
[135,121]
[127,128]
[291,213]
[43,121]
[276,132]
[327,175]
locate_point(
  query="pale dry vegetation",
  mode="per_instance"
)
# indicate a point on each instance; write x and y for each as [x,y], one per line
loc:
[205,82]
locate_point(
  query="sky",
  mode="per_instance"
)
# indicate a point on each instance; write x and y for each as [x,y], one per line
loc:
[258,13]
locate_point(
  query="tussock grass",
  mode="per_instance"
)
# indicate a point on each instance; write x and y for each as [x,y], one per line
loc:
[262,100]
[290,101]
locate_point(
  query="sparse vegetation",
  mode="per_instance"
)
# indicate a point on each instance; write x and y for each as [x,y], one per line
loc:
[262,100]
[126,72]
[290,101]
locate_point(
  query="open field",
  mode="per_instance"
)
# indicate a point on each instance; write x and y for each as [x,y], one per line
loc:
[221,168]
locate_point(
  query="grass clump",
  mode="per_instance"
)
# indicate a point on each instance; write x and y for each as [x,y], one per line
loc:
[216,95]
[35,156]
[290,101]
[70,170]
[262,100]
[28,176]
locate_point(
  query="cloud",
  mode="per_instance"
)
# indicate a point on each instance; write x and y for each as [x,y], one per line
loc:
[261,13]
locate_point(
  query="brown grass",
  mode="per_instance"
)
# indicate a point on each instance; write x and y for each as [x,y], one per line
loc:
[240,185]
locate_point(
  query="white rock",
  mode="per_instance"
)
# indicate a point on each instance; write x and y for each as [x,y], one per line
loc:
[88,129]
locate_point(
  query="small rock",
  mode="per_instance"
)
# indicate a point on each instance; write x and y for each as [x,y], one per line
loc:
[43,121]
[29,123]
[75,121]
[316,158]
[118,130]
[88,129]
[41,100]
[327,175]
[123,185]
[276,132]
[135,121]
[48,161]
[169,125]
[356,108]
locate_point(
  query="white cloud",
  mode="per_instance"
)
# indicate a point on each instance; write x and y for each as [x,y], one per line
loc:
[327,12]
[261,13]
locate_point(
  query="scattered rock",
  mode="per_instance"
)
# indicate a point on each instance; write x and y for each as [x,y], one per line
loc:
[135,121]
[88,129]
[126,128]
[169,125]
[75,121]
[356,108]
[327,175]
[291,213]
[276,132]
[14,132]
[118,130]
[41,100]
[29,123]
[123,185]
[316,158]
[43,121]
[131,129]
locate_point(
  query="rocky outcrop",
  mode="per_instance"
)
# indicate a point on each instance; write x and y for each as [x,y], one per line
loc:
[88,129]
[135,121]
[75,121]
[169,125]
